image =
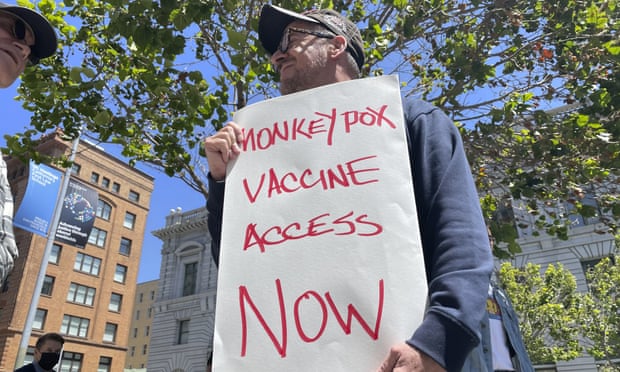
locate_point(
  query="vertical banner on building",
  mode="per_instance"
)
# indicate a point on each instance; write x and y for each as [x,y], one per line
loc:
[321,264]
[36,209]
[78,214]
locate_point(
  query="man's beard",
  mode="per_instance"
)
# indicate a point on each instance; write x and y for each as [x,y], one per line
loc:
[305,77]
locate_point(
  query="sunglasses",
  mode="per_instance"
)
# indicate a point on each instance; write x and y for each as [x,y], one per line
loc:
[14,26]
[286,39]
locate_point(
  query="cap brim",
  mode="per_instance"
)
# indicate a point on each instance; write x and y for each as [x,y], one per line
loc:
[45,42]
[272,23]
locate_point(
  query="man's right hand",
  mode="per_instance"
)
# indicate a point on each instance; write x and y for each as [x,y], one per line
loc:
[405,358]
[222,147]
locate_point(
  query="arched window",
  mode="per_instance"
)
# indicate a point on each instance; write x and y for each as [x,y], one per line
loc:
[104,210]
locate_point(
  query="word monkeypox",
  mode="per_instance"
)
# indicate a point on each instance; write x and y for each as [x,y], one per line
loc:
[322,124]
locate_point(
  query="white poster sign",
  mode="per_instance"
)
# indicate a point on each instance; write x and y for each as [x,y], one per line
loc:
[321,265]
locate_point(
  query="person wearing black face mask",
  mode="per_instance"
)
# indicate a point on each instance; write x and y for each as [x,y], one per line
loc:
[46,354]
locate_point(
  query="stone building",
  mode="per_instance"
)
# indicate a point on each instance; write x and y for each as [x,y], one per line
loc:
[182,329]
[588,242]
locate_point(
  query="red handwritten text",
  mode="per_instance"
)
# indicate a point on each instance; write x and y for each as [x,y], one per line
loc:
[281,342]
[308,128]
[345,175]
[369,118]
[320,225]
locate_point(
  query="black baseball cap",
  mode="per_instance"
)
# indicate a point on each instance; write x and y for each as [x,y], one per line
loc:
[274,20]
[45,42]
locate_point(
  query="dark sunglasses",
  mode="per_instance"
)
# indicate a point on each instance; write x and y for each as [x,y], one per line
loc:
[285,42]
[15,26]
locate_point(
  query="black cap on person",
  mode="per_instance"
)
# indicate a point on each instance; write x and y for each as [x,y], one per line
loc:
[274,20]
[45,42]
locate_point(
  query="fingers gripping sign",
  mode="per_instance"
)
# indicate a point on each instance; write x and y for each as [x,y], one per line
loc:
[223,147]
[405,358]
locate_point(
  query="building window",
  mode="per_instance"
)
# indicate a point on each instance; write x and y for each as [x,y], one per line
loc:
[147,330]
[130,220]
[150,312]
[29,355]
[152,295]
[588,202]
[39,319]
[183,332]
[105,364]
[546,368]
[120,274]
[189,278]
[76,168]
[137,314]
[587,265]
[140,297]
[125,247]
[55,254]
[144,349]
[116,187]
[87,264]
[94,177]
[71,361]
[110,332]
[97,237]
[135,332]
[133,351]
[115,302]
[48,285]
[105,182]
[134,196]
[75,326]
[104,210]
[81,294]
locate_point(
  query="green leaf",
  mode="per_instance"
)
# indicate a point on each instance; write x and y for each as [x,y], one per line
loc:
[102,118]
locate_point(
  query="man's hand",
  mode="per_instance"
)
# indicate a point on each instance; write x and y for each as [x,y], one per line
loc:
[223,147]
[404,358]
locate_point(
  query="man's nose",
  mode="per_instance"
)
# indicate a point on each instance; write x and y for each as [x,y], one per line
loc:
[24,50]
[277,58]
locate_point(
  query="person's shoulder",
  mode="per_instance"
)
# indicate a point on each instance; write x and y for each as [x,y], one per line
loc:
[416,108]
[418,105]
[422,116]
[26,368]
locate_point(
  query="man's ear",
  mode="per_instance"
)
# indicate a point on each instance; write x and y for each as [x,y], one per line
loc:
[339,46]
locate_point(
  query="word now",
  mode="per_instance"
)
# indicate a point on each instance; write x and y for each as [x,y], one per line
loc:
[324,122]
[348,174]
[322,224]
[281,343]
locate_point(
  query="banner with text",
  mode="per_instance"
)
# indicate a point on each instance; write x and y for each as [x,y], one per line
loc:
[37,207]
[78,214]
[321,267]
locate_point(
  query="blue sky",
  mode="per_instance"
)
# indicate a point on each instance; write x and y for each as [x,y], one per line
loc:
[17,119]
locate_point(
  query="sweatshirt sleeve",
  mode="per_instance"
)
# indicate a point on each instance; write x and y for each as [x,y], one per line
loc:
[456,248]
[215,207]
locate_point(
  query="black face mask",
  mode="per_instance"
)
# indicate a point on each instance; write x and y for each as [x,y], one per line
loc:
[49,360]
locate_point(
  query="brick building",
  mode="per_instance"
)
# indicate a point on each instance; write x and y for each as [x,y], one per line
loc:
[140,327]
[88,293]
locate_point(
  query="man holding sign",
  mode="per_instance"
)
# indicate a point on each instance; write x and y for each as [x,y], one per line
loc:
[319,48]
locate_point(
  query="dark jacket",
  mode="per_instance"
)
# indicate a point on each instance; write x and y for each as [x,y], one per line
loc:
[27,368]
[454,236]
[480,359]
